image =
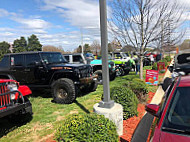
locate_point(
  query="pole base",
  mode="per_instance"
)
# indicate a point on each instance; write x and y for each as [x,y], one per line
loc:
[109,104]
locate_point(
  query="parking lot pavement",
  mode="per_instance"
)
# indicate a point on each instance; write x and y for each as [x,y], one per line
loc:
[142,131]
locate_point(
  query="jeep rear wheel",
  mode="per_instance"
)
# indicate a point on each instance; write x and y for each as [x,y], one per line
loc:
[63,91]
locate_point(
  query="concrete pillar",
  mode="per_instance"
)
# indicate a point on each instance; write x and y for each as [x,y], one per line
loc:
[115,114]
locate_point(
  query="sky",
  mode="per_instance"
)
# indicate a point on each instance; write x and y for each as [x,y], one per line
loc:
[64,23]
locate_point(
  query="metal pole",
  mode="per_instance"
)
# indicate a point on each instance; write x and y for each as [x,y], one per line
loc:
[82,41]
[106,103]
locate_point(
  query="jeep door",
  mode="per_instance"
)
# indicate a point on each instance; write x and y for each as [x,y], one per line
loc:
[17,68]
[34,70]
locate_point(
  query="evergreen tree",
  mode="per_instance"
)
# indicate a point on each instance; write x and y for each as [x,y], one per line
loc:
[4,48]
[34,43]
[20,45]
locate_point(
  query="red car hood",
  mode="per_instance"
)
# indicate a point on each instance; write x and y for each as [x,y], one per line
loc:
[171,137]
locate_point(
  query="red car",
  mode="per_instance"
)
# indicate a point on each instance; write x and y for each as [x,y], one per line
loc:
[173,115]
[13,100]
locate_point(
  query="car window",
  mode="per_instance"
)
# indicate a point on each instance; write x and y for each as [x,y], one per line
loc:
[117,56]
[77,58]
[31,59]
[4,62]
[17,60]
[66,57]
[53,58]
[178,114]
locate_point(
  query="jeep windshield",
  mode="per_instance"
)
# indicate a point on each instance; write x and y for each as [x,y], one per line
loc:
[53,58]
[178,116]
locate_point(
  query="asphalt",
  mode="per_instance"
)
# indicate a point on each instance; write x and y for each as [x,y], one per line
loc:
[142,131]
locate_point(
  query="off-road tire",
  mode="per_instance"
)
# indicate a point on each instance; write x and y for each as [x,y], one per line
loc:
[112,76]
[63,91]
[120,72]
[99,73]
[127,72]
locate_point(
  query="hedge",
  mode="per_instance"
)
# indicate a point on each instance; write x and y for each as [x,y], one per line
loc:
[87,128]
[127,99]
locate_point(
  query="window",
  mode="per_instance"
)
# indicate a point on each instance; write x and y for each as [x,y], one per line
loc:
[178,115]
[77,58]
[5,62]
[17,60]
[32,59]
[67,58]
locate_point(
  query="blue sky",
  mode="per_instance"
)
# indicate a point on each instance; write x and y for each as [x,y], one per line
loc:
[55,22]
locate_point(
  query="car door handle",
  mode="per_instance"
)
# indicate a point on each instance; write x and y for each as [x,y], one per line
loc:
[27,70]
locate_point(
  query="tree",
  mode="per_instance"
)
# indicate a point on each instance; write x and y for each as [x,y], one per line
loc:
[87,48]
[138,22]
[34,43]
[95,47]
[19,45]
[4,48]
[78,50]
[50,48]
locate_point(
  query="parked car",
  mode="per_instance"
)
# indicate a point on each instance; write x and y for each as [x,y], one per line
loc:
[122,63]
[49,70]
[14,102]
[95,63]
[173,115]
[181,64]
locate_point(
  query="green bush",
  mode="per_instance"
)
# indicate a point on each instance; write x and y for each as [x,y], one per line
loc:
[165,61]
[88,127]
[154,66]
[168,58]
[127,99]
[140,88]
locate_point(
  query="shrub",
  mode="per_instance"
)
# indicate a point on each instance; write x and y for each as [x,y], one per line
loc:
[127,99]
[88,127]
[140,88]
[168,58]
[154,66]
[165,61]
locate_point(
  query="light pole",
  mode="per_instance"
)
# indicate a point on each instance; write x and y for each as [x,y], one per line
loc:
[112,111]
[106,103]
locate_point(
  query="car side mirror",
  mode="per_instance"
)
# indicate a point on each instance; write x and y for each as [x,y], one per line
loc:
[170,68]
[152,109]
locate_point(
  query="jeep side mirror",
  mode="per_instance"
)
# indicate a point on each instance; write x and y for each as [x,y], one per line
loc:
[152,109]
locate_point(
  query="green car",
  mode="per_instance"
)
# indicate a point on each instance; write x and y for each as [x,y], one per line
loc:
[123,63]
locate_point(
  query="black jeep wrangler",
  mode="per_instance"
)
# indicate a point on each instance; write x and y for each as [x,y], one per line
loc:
[48,70]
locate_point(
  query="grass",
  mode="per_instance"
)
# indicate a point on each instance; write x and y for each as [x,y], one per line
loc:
[47,115]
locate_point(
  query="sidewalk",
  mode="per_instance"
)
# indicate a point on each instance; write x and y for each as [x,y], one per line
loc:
[160,93]
[142,131]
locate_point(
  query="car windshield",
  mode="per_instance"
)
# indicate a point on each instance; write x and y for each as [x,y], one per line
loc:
[124,55]
[177,118]
[53,58]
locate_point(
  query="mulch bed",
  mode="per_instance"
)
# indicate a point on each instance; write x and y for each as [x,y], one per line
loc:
[130,124]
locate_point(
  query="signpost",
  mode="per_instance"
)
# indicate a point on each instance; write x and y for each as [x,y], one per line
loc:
[152,77]
[161,67]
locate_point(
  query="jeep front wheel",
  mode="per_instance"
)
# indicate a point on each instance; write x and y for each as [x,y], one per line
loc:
[63,91]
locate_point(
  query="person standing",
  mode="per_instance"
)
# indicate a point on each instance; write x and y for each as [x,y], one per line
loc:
[137,64]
